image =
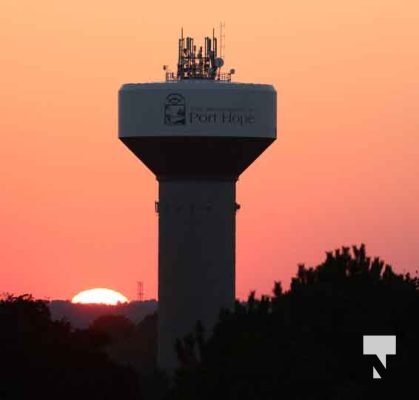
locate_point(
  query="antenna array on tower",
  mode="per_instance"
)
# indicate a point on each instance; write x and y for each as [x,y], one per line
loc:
[199,62]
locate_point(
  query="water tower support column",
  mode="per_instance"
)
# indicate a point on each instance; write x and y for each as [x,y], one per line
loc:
[196,256]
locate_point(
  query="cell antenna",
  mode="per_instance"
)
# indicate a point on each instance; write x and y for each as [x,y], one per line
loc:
[222,44]
[199,62]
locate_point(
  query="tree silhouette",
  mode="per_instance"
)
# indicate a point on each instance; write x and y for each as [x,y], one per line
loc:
[306,343]
[128,343]
[115,327]
[134,345]
[46,359]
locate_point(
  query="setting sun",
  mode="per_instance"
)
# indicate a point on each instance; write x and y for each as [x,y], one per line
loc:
[99,296]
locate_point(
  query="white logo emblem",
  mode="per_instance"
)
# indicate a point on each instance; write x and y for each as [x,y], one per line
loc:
[381,346]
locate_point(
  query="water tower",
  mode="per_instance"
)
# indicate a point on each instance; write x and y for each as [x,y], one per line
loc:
[197,132]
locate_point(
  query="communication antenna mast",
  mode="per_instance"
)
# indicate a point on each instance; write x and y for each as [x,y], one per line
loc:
[222,40]
[140,291]
[222,47]
[199,62]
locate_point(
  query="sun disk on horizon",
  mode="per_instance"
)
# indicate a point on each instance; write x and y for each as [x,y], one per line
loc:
[99,296]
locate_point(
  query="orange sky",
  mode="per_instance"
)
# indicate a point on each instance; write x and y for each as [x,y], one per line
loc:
[77,208]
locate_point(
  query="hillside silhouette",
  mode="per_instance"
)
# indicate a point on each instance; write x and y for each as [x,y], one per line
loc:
[82,315]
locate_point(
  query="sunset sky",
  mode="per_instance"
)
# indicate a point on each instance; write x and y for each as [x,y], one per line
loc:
[77,207]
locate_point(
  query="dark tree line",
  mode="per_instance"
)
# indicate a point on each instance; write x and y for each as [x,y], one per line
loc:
[45,359]
[307,342]
[301,344]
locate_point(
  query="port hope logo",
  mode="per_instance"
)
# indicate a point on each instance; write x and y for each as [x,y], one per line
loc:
[175,110]
[175,114]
